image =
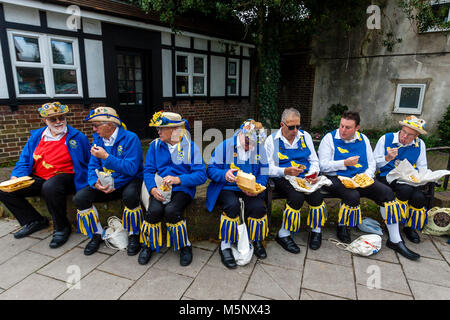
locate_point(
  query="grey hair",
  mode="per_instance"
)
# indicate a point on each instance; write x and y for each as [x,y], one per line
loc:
[290,111]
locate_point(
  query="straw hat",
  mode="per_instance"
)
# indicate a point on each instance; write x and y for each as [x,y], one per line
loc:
[167,119]
[253,130]
[103,114]
[414,123]
[51,109]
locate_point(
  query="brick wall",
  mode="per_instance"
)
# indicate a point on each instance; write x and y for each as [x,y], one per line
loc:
[297,85]
[216,114]
[15,127]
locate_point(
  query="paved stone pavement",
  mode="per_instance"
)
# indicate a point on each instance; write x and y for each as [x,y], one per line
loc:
[29,269]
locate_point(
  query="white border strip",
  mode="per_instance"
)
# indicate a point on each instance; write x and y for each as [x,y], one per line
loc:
[116,20]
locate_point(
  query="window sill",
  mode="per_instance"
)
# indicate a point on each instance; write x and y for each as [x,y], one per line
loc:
[407,111]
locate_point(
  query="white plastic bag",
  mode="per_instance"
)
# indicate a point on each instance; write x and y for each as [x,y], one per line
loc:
[365,245]
[403,172]
[323,181]
[167,195]
[145,196]
[115,236]
[244,252]
[105,178]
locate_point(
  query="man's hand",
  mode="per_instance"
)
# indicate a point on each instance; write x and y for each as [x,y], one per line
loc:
[105,189]
[229,175]
[249,193]
[157,194]
[352,161]
[292,171]
[391,154]
[99,152]
[312,180]
[170,180]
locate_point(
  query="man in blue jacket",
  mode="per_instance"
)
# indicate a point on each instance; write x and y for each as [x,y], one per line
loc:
[117,153]
[178,163]
[56,157]
[244,151]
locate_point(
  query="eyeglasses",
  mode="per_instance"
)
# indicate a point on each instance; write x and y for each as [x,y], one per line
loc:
[292,127]
[97,125]
[409,135]
[54,119]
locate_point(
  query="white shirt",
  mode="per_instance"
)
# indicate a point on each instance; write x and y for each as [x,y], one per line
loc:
[326,155]
[242,154]
[110,142]
[171,147]
[379,155]
[47,135]
[276,171]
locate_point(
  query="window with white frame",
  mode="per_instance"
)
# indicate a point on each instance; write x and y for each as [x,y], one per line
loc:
[409,98]
[190,77]
[441,10]
[233,77]
[45,65]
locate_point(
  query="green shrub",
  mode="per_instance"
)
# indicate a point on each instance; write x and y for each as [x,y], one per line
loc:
[444,128]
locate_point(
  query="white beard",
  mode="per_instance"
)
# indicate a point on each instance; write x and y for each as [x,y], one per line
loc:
[56,129]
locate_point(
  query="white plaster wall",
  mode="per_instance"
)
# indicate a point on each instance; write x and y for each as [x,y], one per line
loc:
[166,56]
[21,14]
[368,85]
[58,21]
[92,26]
[182,41]
[200,44]
[217,76]
[3,84]
[166,38]
[95,68]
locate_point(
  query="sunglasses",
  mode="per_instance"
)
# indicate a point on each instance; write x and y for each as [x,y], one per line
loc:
[292,127]
[54,119]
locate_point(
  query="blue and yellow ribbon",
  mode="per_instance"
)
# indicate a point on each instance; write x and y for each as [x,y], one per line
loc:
[393,212]
[291,219]
[403,209]
[87,222]
[317,216]
[132,220]
[350,216]
[417,218]
[177,236]
[258,229]
[151,235]
[228,231]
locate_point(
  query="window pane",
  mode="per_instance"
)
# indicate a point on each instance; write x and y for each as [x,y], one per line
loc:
[409,98]
[182,64]
[130,86]
[139,98]
[138,74]
[139,86]
[123,86]
[62,52]
[199,85]
[231,86]
[31,80]
[65,81]
[198,65]
[130,74]
[232,68]
[137,61]
[121,73]
[182,85]
[27,49]
[128,61]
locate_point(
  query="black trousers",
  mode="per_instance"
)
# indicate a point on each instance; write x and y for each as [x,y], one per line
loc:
[54,190]
[296,198]
[229,202]
[130,195]
[378,192]
[404,192]
[173,212]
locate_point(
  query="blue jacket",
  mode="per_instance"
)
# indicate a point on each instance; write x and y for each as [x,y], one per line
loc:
[221,160]
[185,163]
[124,160]
[79,150]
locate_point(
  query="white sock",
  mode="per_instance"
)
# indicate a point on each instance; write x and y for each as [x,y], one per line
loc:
[225,245]
[318,230]
[394,233]
[283,233]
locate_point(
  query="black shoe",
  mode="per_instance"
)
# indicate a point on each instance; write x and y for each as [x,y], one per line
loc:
[343,234]
[145,255]
[288,244]
[228,258]
[402,249]
[315,240]
[60,237]
[411,234]
[31,227]
[133,245]
[259,250]
[93,245]
[185,256]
